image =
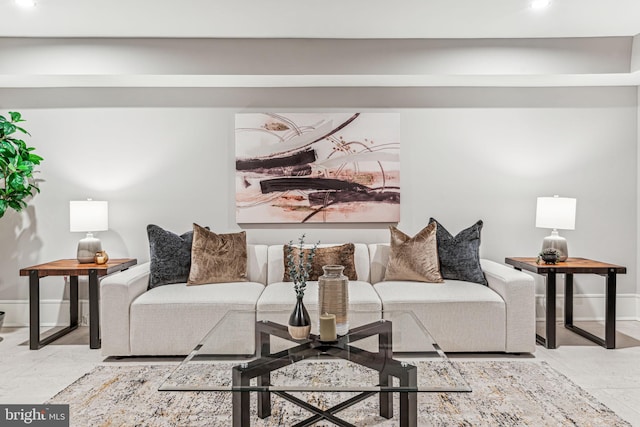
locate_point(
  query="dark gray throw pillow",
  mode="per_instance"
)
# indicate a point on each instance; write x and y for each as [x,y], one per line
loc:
[460,255]
[170,256]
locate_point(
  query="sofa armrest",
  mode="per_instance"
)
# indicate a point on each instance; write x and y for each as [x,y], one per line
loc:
[117,292]
[518,292]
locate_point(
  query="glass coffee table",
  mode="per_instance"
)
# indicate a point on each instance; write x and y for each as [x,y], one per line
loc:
[382,354]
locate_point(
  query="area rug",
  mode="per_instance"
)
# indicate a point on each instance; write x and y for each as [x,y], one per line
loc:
[505,393]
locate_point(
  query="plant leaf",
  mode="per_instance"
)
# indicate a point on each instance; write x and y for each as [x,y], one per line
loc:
[8,128]
[17,182]
[13,204]
[35,159]
[22,130]
[8,147]
[15,116]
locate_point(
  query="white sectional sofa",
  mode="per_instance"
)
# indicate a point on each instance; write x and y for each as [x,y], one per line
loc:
[172,319]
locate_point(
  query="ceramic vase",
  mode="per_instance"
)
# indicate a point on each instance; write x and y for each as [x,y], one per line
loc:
[333,296]
[299,321]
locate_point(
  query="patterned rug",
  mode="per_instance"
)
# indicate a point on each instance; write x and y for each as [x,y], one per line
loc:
[509,393]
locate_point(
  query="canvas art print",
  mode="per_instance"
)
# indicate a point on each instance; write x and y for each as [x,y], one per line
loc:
[315,167]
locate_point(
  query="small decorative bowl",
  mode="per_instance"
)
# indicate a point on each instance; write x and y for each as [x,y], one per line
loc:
[101,257]
[549,256]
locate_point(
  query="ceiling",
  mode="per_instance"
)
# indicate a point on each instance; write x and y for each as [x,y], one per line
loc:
[455,43]
[321,19]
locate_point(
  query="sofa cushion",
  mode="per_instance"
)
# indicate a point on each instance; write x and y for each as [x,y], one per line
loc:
[460,255]
[172,319]
[329,255]
[170,256]
[460,316]
[414,258]
[217,258]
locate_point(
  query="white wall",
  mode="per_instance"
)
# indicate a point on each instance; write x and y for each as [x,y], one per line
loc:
[166,156]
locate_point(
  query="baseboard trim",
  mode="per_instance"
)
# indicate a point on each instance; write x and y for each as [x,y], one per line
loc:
[52,313]
[588,307]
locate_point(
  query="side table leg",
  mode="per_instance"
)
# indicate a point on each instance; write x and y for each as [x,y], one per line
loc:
[568,299]
[34,310]
[610,315]
[94,310]
[551,311]
[73,302]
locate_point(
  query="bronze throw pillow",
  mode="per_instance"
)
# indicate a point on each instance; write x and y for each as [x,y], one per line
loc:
[217,258]
[331,255]
[414,258]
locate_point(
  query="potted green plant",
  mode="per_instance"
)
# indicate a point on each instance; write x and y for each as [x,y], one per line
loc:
[17,163]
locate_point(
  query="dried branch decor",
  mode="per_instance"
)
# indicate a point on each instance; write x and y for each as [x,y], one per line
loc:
[300,265]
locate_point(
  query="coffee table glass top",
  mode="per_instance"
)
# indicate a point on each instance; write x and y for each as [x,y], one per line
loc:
[361,360]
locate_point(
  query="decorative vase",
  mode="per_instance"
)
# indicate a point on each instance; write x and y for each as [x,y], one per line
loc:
[333,296]
[299,321]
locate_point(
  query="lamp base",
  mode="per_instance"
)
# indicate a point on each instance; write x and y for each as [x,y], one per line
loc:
[557,242]
[87,249]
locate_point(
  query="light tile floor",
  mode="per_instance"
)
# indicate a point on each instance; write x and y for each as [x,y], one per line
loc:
[612,376]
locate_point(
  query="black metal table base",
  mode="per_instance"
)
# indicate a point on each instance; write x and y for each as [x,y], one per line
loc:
[35,340]
[609,340]
[382,362]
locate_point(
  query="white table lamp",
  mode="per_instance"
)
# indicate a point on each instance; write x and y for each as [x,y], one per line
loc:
[87,216]
[556,213]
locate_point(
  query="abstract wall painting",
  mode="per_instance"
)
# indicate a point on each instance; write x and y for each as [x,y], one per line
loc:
[317,167]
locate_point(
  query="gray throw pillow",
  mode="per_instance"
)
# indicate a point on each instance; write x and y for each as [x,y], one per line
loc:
[460,255]
[170,256]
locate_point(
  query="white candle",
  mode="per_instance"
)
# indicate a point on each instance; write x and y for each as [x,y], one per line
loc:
[328,327]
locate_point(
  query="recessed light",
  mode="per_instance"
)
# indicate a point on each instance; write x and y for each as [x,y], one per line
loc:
[26,3]
[540,4]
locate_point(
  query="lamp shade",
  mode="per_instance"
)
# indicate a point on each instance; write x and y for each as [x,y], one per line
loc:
[88,215]
[556,212]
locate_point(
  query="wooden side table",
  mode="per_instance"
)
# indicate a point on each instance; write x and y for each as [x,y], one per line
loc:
[73,269]
[570,267]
